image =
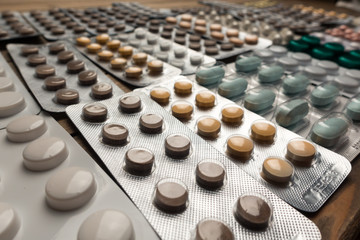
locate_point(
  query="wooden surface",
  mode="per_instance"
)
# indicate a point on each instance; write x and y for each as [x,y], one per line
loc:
[339,218]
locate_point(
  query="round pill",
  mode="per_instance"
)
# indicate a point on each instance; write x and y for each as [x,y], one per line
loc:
[93,47]
[36,59]
[171,196]
[102,90]
[87,77]
[227,46]
[45,70]
[65,56]
[240,147]
[26,128]
[160,95]
[139,161]
[171,20]
[11,103]
[205,99]
[75,66]
[232,33]
[70,188]
[232,114]
[186,17]
[303,58]
[139,58]
[251,39]
[29,50]
[6,84]
[211,51]
[155,66]
[45,154]
[277,170]
[314,72]
[210,229]
[263,131]
[196,60]
[355,74]
[183,87]
[300,152]
[182,110]
[133,72]
[288,63]
[200,30]
[208,127]
[329,66]
[130,104]
[118,63]
[53,83]
[177,146]
[236,41]
[179,52]
[165,45]
[253,212]
[56,47]
[10,221]
[107,224]
[278,51]
[349,84]
[194,38]
[94,112]
[83,41]
[102,38]
[210,175]
[217,35]
[67,96]
[126,51]
[215,27]
[185,25]
[105,55]
[114,134]
[113,45]
[151,123]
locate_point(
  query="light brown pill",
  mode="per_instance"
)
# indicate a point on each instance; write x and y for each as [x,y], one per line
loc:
[240,147]
[93,47]
[208,127]
[102,38]
[155,66]
[139,58]
[105,55]
[217,35]
[83,41]
[186,17]
[171,20]
[182,110]
[277,170]
[183,87]
[126,51]
[263,131]
[130,104]
[215,27]
[232,114]
[160,95]
[205,99]
[94,112]
[236,41]
[133,72]
[251,39]
[113,45]
[200,29]
[232,33]
[200,22]
[186,25]
[118,63]
[300,152]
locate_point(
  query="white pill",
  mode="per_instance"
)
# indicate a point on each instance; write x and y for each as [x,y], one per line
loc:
[165,45]
[151,39]
[355,74]
[179,52]
[163,56]
[302,58]
[45,153]
[330,67]
[264,54]
[349,84]
[178,63]
[195,60]
[9,222]
[70,188]
[2,71]
[140,34]
[288,63]
[11,103]
[26,128]
[123,37]
[315,73]
[106,225]
[6,84]
[278,51]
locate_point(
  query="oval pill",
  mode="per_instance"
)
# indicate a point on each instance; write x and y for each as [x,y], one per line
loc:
[292,112]
[233,88]
[247,64]
[324,95]
[259,100]
[11,103]
[327,132]
[26,128]
[210,75]
[10,221]
[296,84]
[271,74]
[353,109]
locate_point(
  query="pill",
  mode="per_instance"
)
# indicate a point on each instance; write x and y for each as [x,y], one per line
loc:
[2,72]
[130,104]
[295,84]
[107,224]
[139,161]
[101,90]
[26,128]
[183,87]
[263,131]
[87,77]
[210,175]
[232,114]
[114,134]
[44,70]
[355,74]
[45,153]
[239,147]
[353,109]
[196,60]
[182,110]
[291,112]
[6,84]
[271,74]
[75,66]
[65,56]
[133,72]
[160,95]
[10,221]
[93,48]
[278,51]
[208,127]
[248,64]
[126,51]
[67,96]
[288,63]
[83,41]
[236,41]
[264,54]
[205,99]
[233,88]
[118,63]
[102,38]
[253,212]
[303,58]
[329,66]
[349,84]
[300,152]
[251,39]
[151,123]
[29,50]
[94,112]
[177,146]
[56,47]
[139,58]
[315,73]
[211,229]
[171,196]
[277,170]
[36,59]
[328,132]
[324,95]
[259,99]
[210,75]
[11,103]
[165,45]
[155,66]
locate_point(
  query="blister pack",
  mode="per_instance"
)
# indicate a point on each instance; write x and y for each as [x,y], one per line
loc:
[249,140]
[59,75]
[14,27]
[55,24]
[138,10]
[182,185]
[15,99]
[349,37]
[47,179]
[124,61]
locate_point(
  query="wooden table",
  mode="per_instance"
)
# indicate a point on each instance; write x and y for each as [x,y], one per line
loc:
[339,218]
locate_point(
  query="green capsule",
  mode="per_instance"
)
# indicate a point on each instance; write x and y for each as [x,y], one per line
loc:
[233,89]
[324,95]
[353,109]
[247,64]
[292,112]
[259,100]
[210,75]
[271,74]
[296,84]
[328,132]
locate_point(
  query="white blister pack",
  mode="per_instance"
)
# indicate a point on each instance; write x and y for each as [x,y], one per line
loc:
[59,75]
[308,186]
[158,164]
[15,99]
[50,188]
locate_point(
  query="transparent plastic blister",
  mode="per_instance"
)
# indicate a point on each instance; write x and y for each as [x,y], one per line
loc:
[145,78]
[47,98]
[11,87]
[349,45]
[200,203]
[24,189]
[296,193]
